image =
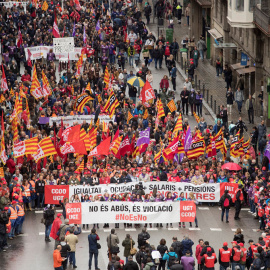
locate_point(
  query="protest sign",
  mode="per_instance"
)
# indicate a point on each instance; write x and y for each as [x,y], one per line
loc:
[63,45]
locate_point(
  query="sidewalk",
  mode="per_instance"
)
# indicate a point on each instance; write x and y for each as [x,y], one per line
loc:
[206,75]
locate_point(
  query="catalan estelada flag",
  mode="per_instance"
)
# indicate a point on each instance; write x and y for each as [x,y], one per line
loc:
[45,148]
[81,101]
[111,104]
[27,147]
[171,106]
[197,149]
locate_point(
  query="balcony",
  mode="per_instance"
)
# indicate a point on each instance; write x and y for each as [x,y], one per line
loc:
[262,21]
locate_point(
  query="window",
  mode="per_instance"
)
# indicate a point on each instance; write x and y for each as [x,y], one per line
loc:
[240,5]
[253,4]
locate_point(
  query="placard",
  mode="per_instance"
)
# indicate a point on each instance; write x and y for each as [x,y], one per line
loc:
[63,45]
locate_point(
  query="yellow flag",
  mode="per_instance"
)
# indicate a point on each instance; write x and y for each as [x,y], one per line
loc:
[45,6]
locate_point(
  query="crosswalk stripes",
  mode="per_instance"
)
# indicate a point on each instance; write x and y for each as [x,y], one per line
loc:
[203,208]
[194,229]
[152,229]
[22,235]
[41,233]
[173,229]
[131,230]
[234,230]
[216,229]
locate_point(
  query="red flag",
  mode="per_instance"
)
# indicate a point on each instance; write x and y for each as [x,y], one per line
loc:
[4,85]
[20,40]
[61,130]
[102,149]
[72,134]
[56,33]
[124,147]
[74,147]
[171,149]
[213,150]
[147,93]
[116,135]
[29,62]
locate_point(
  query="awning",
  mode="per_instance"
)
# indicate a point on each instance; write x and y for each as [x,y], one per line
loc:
[225,46]
[239,66]
[244,71]
[204,3]
[214,33]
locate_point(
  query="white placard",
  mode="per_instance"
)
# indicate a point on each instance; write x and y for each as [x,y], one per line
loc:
[11,4]
[63,45]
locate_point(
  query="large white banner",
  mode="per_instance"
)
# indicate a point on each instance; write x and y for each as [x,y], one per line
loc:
[63,45]
[69,121]
[203,193]
[42,51]
[126,212]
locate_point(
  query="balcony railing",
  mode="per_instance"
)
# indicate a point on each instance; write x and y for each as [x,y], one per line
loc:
[262,21]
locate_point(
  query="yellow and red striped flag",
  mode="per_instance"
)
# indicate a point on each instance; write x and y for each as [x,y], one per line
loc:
[104,126]
[2,98]
[27,114]
[111,104]
[35,89]
[3,155]
[81,101]
[45,148]
[99,98]
[88,88]
[86,138]
[106,76]
[197,149]
[136,152]
[145,115]
[237,150]
[160,109]
[179,125]
[2,172]
[45,6]
[89,163]
[14,127]
[197,118]
[157,156]
[11,92]
[171,106]
[234,143]
[27,147]
[114,146]
[93,137]
[130,116]
[81,167]
[246,146]
[47,90]
[21,93]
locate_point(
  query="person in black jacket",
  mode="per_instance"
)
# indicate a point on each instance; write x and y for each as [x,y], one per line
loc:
[4,218]
[225,203]
[143,238]
[64,253]
[40,185]
[204,250]
[228,76]
[48,216]
[131,265]
[162,248]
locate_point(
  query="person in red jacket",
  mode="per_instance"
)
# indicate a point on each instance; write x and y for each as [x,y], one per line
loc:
[209,259]
[56,226]
[174,177]
[199,248]
[164,83]
[224,256]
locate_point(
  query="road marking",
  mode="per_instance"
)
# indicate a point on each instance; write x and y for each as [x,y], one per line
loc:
[59,211]
[107,230]
[219,208]
[131,230]
[38,212]
[216,229]
[173,229]
[245,209]
[41,212]
[234,230]
[254,230]
[41,233]
[152,229]
[203,208]
[194,229]
[86,231]
[24,234]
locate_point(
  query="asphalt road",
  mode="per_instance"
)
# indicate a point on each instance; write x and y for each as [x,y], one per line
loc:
[29,251]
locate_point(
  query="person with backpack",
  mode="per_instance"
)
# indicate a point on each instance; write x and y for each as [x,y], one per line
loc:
[114,264]
[162,248]
[170,257]
[225,203]
[150,265]
[141,257]
[177,246]
[143,237]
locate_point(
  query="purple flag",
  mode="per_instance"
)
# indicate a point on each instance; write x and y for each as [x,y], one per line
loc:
[175,159]
[98,26]
[267,150]
[188,140]
[74,30]
[144,137]
[84,35]
[181,157]
[44,120]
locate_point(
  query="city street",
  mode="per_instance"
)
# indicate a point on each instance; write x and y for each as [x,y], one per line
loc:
[30,251]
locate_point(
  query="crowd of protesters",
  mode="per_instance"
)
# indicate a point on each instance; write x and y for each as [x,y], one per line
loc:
[122,38]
